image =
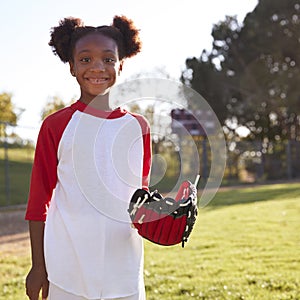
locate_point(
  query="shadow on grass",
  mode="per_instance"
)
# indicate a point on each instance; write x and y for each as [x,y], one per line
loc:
[256,193]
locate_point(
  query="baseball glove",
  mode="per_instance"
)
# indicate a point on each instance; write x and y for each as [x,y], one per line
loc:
[165,221]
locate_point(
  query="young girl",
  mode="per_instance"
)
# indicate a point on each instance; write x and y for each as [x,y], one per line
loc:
[89,160]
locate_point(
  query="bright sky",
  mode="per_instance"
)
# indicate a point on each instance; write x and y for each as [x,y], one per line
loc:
[171,31]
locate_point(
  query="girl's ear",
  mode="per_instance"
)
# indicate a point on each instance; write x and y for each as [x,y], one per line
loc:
[120,67]
[72,71]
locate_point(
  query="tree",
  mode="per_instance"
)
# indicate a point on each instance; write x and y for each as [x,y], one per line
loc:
[203,77]
[261,63]
[253,71]
[53,105]
[7,113]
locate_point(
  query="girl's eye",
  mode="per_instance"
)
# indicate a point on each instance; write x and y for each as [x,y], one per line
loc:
[110,60]
[85,59]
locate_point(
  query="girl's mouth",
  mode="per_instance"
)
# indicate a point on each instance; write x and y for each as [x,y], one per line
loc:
[97,80]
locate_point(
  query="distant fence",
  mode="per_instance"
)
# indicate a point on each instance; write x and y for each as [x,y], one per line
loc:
[246,162]
[16,155]
[254,161]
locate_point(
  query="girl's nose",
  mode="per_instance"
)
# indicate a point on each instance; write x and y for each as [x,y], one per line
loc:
[98,66]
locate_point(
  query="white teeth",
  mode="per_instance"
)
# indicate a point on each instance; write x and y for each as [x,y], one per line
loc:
[97,80]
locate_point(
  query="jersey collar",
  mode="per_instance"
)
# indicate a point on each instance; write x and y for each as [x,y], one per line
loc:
[117,113]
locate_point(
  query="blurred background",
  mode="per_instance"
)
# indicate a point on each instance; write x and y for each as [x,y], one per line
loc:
[242,57]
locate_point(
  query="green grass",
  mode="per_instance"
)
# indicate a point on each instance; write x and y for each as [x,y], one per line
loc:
[19,170]
[245,246]
[241,250]
[12,277]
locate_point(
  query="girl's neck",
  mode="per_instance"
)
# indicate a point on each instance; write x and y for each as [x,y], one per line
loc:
[98,102]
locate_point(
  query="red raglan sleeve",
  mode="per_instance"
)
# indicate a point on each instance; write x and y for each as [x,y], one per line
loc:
[43,176]
[147,148]
[44,169]
[147,157]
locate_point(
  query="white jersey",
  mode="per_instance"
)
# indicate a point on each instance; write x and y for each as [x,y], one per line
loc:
[88,163]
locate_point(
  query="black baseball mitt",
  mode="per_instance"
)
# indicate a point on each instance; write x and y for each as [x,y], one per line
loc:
[165,221]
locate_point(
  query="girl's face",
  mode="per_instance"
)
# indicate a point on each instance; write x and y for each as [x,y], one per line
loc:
[95,65]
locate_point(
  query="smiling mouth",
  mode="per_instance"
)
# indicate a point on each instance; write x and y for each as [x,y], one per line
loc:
[97,80]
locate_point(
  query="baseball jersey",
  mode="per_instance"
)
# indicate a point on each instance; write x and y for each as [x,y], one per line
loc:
[87,165]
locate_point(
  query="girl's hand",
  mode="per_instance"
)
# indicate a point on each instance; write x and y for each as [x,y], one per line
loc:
[36,280]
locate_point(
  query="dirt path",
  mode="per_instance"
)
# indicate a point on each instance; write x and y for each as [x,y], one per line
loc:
[14,236]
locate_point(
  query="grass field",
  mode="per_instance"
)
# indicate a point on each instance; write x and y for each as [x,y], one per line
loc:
[18,175]
[245,246]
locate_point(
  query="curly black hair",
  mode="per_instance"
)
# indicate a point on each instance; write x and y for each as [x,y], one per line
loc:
[70,30]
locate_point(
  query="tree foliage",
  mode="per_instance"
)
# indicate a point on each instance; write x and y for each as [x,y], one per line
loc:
[7,108]
[7,112]
[251,74]
[54,104]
